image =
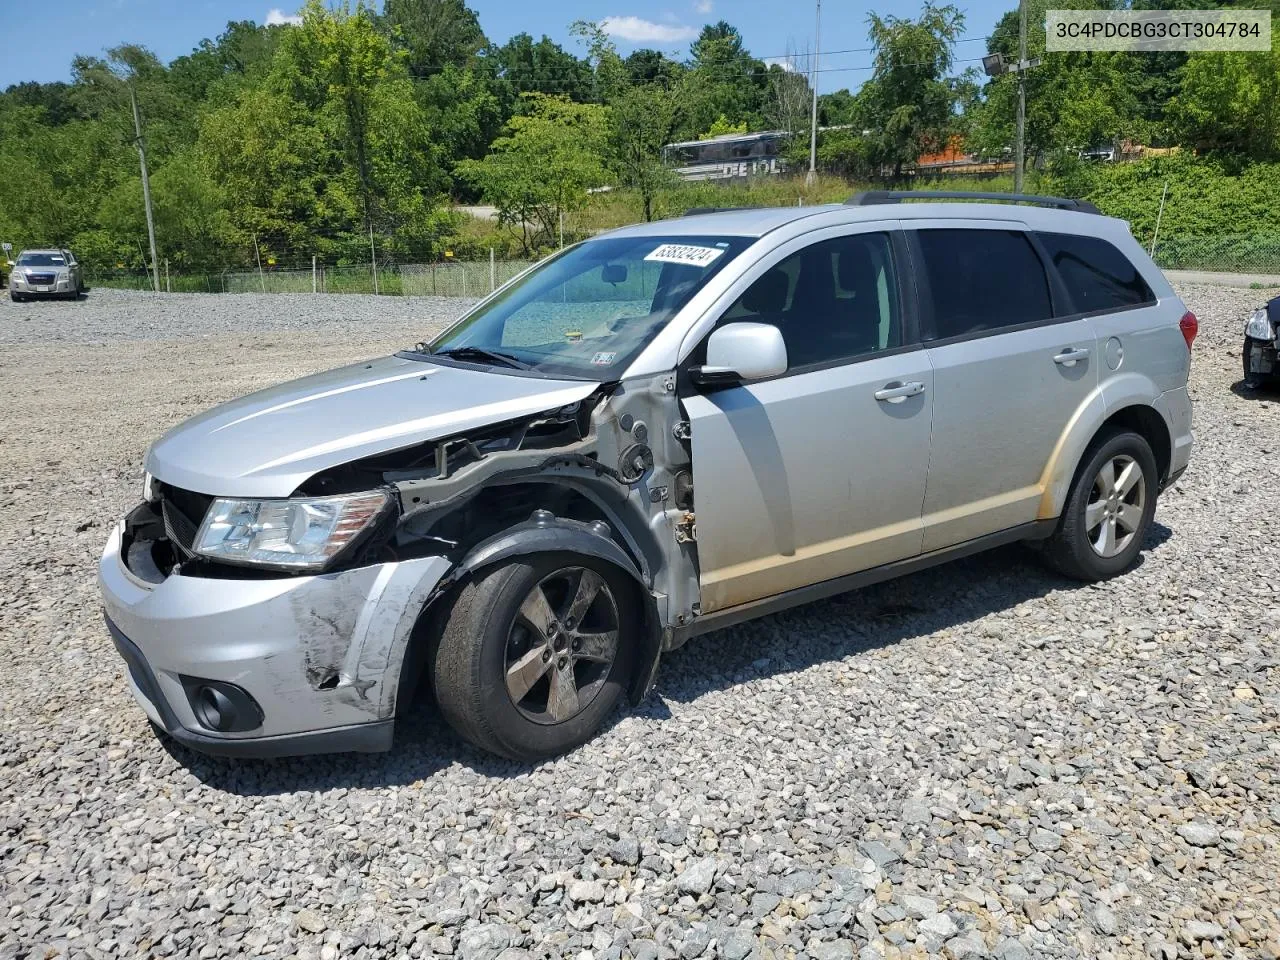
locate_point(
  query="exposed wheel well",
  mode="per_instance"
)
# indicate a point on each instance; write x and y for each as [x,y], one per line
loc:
[1148,424]
[495,509]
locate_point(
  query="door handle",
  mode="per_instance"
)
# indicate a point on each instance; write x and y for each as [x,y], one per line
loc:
[1069,356]
[896,391]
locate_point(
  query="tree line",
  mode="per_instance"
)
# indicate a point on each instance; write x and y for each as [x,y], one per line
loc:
[357,127]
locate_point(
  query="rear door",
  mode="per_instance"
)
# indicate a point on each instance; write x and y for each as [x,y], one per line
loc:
[1008,374]
[820,472]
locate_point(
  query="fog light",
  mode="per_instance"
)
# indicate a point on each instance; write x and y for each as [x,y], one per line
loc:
[222,707]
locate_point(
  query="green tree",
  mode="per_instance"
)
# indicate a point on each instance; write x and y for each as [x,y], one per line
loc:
[1229,104]
[723,80]
[647,65]
[1075,100]
[436,33]
[910,100]
[543,67]
[641,117]
[543,166]
[331,145]
[721,126]
[242,52]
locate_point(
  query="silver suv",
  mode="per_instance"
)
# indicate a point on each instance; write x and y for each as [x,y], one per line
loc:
[45,273]
[656,433]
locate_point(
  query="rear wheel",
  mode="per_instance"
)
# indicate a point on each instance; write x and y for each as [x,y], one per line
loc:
[1108,510]
[536,653]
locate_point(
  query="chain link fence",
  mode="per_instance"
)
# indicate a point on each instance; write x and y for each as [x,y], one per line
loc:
[452,278]
[1253,253]
[1225,253]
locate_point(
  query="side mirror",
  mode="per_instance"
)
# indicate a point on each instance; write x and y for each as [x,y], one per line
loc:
[742,352]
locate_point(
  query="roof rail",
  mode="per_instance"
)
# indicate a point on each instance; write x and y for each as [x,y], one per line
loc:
[870,197]
[696,211]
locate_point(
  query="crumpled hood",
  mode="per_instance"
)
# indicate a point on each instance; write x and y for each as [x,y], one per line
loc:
[266,444]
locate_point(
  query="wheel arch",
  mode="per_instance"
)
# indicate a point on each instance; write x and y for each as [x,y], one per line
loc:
[542,533]
[1128,403]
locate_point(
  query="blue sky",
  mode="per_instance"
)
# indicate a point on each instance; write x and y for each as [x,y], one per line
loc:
[769,27]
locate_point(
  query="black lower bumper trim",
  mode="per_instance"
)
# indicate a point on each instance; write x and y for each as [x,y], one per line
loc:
[372,737]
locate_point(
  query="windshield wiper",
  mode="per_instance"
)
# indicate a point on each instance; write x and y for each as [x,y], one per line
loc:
[480,353]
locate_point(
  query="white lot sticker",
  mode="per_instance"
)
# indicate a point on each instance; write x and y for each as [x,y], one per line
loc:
[604,359]
[690,256]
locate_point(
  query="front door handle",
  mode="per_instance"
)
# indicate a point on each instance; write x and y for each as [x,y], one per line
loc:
[1069,356]
[896,392]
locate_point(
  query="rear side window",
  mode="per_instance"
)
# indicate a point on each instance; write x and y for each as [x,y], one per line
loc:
[981,280]
[1097,275]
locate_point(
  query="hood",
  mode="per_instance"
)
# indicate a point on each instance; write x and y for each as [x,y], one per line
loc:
[266,444]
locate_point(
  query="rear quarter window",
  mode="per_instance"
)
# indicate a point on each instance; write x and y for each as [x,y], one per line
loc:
[1097,275]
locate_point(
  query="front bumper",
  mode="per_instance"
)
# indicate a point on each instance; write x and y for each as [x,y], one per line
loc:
[1260,357]
[320,655]
[59,288]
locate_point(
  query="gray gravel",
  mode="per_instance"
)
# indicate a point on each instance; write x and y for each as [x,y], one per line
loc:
[106,315]
[978,761]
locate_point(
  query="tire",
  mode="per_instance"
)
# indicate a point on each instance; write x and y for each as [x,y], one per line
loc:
[1082,551]
[15,297]
[497,623]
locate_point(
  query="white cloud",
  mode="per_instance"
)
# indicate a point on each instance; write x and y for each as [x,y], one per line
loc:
[704,6]
[786,63]
[278,18]
[637,30]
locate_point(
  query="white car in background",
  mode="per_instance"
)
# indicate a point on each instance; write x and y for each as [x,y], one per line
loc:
[45,273]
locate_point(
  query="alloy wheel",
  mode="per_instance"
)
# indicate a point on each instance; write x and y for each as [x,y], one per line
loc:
[1117,502]
[562,645]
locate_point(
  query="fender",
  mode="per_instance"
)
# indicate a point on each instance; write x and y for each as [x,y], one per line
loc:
[546,533]
[1105,400]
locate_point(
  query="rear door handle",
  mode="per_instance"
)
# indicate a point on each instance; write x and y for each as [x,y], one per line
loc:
[1069,356]
[896,392]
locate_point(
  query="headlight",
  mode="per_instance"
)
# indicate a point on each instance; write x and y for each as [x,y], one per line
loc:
[1259,326]
[295,534]
[64,274]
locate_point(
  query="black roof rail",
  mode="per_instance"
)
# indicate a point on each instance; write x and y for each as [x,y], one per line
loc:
[695,211]
[871,197]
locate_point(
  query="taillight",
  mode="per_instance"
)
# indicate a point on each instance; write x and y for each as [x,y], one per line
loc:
[1189,326]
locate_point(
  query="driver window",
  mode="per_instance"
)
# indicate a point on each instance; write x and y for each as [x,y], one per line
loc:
[834,300]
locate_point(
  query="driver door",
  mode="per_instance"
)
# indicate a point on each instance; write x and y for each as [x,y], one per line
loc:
[820,472]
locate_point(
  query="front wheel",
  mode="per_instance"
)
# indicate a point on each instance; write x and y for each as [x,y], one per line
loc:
[536,653]
[1109,509]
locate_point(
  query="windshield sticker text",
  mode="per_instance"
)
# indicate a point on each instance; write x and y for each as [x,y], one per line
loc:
[686,254]
[603,359]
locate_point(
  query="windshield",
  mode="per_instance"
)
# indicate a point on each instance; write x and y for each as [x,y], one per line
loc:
[588,312]
[42,260]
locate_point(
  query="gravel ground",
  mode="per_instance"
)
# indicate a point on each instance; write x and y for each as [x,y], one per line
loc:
[982,760]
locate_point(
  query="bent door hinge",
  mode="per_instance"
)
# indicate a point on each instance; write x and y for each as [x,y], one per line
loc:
[687,529]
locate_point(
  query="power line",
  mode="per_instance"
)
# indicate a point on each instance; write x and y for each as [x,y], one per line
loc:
[584,66]
[568,84]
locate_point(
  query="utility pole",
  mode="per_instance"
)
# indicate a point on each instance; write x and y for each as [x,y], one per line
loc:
[812,175]
[146,185]
[1020,144]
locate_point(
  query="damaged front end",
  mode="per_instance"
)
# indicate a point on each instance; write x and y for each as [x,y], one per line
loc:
[1262,342]
[250,660]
